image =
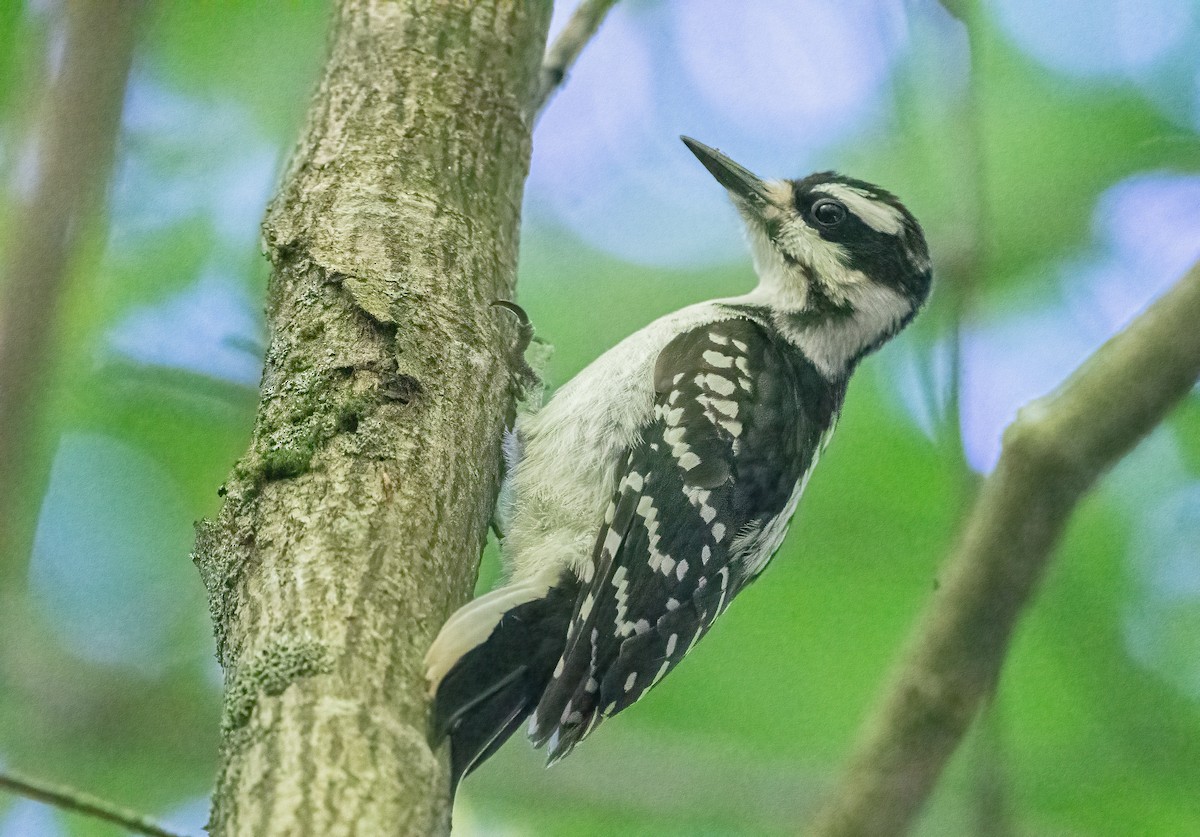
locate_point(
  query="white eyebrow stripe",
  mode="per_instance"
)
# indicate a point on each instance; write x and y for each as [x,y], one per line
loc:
[875,214]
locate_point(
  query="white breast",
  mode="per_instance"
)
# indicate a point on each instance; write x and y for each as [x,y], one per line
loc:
[573,446]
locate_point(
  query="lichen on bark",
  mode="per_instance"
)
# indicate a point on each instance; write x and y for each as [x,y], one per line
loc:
[352,525]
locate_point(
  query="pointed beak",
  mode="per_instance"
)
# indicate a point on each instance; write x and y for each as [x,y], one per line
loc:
[740,181]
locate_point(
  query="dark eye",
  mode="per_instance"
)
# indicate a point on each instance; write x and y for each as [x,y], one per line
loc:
[828,213]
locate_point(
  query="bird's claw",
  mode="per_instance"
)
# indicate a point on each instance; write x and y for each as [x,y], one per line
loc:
[526,378]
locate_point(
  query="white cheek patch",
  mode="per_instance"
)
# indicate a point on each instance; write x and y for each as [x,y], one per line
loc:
[823,258]
[787,283]
[879,216]
[833,343]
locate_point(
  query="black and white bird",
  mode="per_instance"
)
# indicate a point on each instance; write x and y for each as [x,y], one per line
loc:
[660,481]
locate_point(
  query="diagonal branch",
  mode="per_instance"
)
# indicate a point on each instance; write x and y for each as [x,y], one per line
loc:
[562,54]
[1053,453]
[70,799]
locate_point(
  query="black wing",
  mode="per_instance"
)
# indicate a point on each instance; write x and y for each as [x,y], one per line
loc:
[702,504]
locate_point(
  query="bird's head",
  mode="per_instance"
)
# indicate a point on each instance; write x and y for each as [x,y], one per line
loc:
[831,249]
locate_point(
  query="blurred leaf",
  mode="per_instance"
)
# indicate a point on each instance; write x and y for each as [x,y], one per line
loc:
[264,55]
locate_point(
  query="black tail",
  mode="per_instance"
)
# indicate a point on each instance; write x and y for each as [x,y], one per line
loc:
[488,693]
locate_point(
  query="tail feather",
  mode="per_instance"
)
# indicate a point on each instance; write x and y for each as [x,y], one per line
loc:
[471,625]
[476,735]
[491,689]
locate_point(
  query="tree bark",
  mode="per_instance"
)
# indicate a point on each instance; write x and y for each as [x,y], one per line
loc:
[353,524]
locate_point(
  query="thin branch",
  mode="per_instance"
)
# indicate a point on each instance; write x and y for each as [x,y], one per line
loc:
[561,55]
[70,799]
[1053,453]
[73,143]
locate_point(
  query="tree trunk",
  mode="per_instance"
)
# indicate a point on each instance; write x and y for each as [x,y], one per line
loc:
[353,525]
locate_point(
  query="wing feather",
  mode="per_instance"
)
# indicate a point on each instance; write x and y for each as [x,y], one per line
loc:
[737,423]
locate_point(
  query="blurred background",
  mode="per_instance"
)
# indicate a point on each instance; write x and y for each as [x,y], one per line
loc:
[1052,150]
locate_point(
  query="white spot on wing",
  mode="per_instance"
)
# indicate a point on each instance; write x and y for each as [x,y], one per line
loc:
[620,582]
[661,671]
[612,542]
[717,359]
[591,725]
[727,408]
[724,574]
[718,383]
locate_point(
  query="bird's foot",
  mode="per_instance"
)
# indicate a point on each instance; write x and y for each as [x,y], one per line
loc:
[525,378]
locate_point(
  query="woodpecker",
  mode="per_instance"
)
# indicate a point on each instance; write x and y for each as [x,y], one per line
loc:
[661,480]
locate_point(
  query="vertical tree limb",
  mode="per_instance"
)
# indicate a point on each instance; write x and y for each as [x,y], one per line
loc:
[353,525]
[1053,453]
[72,143]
